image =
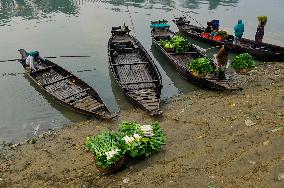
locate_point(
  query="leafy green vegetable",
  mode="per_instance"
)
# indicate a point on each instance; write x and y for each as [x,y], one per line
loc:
[180,44]
[223,34]
[201,66]
[177,43]
[141,140]
[262,19]
[243,61]
[106,149]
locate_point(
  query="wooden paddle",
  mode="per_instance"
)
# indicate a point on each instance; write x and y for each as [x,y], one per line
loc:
[49,57]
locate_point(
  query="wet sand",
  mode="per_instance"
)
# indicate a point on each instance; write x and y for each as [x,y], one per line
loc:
[214,139]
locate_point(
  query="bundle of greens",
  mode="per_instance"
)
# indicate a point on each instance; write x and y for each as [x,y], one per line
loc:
[243,61]
[141,140]
[106,149]
[180,44]
[201,66]
[223,34]
[177,43]
[166,44]
[262,19]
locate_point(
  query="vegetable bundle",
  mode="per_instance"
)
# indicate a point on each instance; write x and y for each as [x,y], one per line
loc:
[262,19]
[243,61]
[106,149]
[177,43]
[133,139]
[201,66]
[141,140]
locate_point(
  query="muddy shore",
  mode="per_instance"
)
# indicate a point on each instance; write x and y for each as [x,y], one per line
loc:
[214,139]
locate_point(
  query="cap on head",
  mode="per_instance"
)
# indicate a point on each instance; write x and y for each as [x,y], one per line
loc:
[34,53]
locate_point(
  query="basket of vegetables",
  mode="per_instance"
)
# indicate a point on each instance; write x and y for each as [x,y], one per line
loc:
[200,67]
[243,63]
[141,140]
[109,157]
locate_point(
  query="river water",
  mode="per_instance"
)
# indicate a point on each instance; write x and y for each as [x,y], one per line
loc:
[82,27]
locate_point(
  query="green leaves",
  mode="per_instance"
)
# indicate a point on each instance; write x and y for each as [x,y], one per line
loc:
[106,148]
[133,139]
[243,61]
[178,43]
[143,144]
[223,34]
[262,19]
[201,66]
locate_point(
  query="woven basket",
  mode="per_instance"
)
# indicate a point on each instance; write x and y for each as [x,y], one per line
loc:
[116,167]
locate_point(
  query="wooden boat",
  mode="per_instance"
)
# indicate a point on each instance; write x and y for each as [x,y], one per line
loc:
[134,70]
[66,88]
[180,60]
[266,52]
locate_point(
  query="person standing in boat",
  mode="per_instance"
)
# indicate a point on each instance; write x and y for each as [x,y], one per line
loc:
[222,56]
[260,30]
[32,59]
[239,31]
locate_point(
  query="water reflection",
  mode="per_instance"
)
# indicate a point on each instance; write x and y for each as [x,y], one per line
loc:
[29,9]
[212,4]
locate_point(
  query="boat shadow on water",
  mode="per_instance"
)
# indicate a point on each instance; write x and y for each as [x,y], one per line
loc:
[64,110]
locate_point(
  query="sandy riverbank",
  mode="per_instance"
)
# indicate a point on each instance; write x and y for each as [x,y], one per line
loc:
[208,144]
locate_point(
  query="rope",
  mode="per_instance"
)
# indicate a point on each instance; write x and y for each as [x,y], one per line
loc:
[131,20]
[21,73]
[186,14]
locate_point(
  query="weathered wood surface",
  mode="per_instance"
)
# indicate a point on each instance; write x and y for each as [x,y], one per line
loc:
[135,71]
[68,89]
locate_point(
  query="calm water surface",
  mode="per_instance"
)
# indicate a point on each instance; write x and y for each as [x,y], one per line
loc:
[82,27]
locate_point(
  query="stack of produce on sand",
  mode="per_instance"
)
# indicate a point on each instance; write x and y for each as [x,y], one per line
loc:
[106,149]
[111,149]
[141,140]
[243,63]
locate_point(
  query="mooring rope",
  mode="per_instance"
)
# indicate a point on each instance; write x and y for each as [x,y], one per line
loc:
[21,73]
[131,20]
[186,14]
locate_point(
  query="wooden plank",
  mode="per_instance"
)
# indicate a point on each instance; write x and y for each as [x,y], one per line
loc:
[50,83]
[139,82]
[122,64]
[84,90]
[44,69]
[96,107]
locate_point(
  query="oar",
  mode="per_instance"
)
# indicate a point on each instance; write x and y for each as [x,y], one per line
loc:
[49,57]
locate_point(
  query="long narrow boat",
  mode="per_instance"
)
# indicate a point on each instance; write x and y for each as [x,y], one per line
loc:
[266,52]
[66,88]
[160,31]
[134,70]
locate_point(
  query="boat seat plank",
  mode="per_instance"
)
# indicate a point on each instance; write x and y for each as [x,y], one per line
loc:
[61,79]
[84,90]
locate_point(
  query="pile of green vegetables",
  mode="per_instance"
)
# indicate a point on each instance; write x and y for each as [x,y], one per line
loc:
[141,140]
[262,19]
[178,44]
[201,66]
[243,61]
[132,139]
[106,148]
[223,34]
